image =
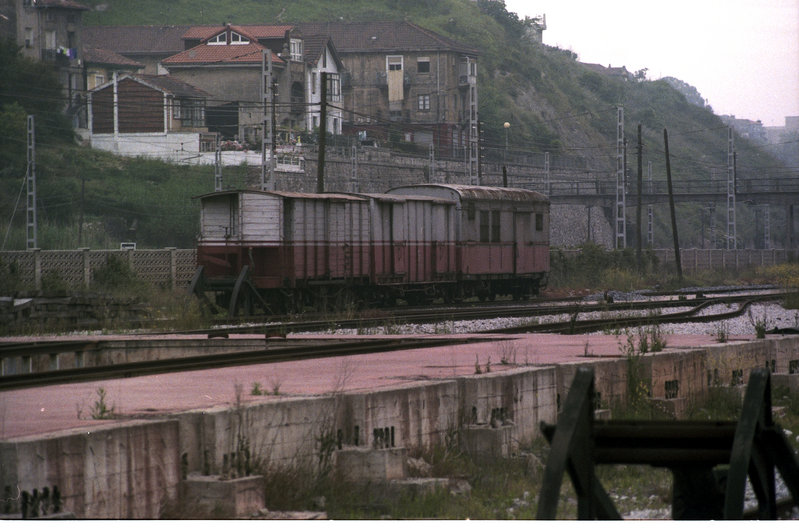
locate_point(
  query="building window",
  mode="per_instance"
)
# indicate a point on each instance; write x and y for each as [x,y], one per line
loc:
[219,39]
[423,65]
[99,80]
[393,62]
[192,113]
[176,109]
[424,102]
[333,87]
[296,49]
[236,38]
[49,40]
[29,37]
[539,222]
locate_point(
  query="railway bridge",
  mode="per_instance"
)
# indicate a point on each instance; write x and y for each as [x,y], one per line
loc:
[781,193]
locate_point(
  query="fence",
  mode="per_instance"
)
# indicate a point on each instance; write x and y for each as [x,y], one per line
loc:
[700,259]
[175,268]
[169,267]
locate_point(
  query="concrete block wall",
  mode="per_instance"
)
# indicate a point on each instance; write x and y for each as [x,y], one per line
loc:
[114,471]
[420,415]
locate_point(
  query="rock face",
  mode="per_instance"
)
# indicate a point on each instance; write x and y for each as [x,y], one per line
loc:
[572,225]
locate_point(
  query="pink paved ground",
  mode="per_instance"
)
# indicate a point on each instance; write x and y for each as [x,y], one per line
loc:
[41,410]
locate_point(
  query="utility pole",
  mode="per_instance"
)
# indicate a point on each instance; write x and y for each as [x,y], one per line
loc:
[320,165]
[650,235]
[639,237]
[30,179]
[731,235]
[432,177]
[267,133]
[218,164]
[621,228]
[354,174]
[677,259]
[547,175]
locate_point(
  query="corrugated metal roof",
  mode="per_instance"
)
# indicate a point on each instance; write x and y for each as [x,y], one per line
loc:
[386,197]
[486,192]
[286,194]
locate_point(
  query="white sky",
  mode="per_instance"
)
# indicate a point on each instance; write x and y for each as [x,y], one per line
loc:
[742,55]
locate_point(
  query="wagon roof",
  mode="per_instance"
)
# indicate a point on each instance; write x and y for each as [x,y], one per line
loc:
[286,194]
[486,192]
[386,197]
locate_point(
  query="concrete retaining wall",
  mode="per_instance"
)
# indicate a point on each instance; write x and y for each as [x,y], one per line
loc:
[128,470]
[116,471]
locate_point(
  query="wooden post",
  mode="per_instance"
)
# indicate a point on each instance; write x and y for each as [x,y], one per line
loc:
[320,167]
[671,206]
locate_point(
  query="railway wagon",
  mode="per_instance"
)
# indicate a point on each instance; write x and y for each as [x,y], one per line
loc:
[286,251]
[281,250]
[413,245]
[502,238]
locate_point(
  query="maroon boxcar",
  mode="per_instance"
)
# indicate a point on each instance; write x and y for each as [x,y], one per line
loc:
[287,250]
[502,237]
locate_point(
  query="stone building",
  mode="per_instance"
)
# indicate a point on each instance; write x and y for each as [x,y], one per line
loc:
[229,61]
[49,31]
[402,78]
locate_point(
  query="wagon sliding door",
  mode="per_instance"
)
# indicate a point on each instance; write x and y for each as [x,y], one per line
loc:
[524,257]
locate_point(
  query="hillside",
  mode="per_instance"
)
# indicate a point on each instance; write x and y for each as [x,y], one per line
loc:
[553,102]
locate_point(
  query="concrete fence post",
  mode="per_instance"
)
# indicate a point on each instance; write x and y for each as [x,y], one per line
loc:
[173,267]
[37,268]
[87,271]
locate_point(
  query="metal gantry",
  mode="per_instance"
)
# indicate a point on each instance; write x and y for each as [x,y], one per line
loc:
[621,207]
[32,229]
[731,235]
[267,96]
[218,164]
[650,234]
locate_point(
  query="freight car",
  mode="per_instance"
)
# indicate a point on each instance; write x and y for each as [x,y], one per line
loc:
[285,251]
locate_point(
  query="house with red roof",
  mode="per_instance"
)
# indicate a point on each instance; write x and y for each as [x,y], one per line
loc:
[232,63]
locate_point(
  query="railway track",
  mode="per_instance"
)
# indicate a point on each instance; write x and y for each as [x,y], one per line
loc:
[258,356]
[278,351]
[506,310]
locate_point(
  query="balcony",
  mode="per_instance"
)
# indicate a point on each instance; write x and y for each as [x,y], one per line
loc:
[60,56]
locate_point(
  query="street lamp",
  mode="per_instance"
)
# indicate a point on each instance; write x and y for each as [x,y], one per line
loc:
[507,126]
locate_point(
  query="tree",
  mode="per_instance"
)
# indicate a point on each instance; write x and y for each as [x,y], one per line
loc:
[34,87]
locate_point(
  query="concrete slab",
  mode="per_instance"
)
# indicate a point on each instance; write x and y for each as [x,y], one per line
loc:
[35,411]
